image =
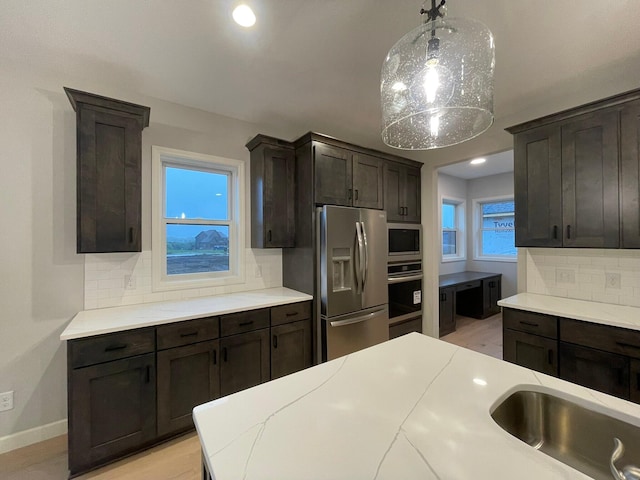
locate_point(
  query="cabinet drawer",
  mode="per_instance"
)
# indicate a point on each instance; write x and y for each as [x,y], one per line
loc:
[468,285]
[112,346]
[290,313]
[187,332]
[402,328]
[530,322]
[244,322]
[603,337]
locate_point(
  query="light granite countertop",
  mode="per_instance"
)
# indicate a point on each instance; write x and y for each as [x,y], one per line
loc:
[108,320]
[595,312]
[410,408]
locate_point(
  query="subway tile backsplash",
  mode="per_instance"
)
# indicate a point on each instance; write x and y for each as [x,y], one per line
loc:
[105,277]
[599,275]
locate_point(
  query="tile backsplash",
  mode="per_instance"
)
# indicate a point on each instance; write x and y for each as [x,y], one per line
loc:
[599,275]
[105,277]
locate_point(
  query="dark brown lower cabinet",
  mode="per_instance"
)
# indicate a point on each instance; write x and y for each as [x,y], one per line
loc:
[187,376]
[603,371]
[244,361]
[447,310]
[114,410]
[634,388]
[290,348]
[531,351]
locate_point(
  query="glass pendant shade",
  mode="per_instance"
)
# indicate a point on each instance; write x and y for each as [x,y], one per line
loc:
[437,85]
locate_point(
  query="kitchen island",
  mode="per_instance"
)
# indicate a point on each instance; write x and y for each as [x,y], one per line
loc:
[412,407]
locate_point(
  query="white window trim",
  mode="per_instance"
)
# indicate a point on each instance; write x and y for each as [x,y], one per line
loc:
[460,203]
[162,282]
[477,226]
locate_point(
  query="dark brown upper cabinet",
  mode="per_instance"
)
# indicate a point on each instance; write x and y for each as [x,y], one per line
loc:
[344,177]
[273,192]
[402,192]
[576,176]
[109,157]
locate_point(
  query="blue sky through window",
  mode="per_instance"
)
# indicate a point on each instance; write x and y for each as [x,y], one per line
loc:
[194,194]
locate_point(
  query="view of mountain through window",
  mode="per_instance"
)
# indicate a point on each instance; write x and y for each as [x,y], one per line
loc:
[197,221]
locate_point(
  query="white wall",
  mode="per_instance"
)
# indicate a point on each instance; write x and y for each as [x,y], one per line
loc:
[43,279]
[487,187]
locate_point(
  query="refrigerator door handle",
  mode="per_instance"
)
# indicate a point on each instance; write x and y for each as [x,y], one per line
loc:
[365,269]
[358,319]
[360,259]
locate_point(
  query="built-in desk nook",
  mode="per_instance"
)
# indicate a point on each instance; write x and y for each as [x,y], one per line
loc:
[472,294]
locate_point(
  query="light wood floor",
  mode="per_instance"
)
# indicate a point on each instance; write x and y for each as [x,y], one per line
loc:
[484,336]
[179,459]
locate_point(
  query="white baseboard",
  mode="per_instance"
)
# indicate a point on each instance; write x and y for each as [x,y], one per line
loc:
[33,435]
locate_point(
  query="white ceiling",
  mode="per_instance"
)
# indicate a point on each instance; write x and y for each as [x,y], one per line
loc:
[315,65]
[497,163]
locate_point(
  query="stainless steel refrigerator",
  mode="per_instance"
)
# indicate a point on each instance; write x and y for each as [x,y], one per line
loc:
[352,282]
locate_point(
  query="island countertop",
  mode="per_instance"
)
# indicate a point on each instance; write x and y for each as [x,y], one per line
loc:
[116,319]
[410,408]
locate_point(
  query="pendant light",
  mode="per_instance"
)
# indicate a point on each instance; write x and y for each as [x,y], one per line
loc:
[436,86]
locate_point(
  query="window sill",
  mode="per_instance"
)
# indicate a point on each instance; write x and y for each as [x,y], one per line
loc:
[496,259]
[453,259]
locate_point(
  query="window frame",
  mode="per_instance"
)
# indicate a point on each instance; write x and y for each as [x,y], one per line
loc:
[460,229]
[161,157]
[477,230]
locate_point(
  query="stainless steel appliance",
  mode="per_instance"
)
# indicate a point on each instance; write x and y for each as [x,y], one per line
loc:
[352,280]
[405,297]
[404,242]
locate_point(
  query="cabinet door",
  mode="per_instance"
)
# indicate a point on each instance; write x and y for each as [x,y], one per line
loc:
[602,371]
[187,376]
[278,197]
[446,311]
[538,188]
[393,192]
[245,361]
[367,181]
[630,174]
[333,175]
[412,195]
[634,387]
[531,351]
[109,179]
[491,293]
[590,181]
[290,348]
[112,410]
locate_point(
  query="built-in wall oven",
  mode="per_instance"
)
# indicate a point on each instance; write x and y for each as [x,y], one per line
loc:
[404,279]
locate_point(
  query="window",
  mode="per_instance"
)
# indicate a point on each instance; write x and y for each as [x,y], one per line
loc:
[197,208]
[452,215]
[495,229]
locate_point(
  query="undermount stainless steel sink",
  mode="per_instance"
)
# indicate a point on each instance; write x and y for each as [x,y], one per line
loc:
[575,435]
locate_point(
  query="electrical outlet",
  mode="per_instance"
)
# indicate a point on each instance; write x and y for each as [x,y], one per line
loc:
[129,282]
[565,275]
[612,280]
[6,401]
[258,271]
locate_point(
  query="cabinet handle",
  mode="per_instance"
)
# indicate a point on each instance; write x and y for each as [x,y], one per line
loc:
[492,284]
[404,211]
[113,348]
[224,354]
[550,356]
[215,356]
[292,314]
[190,334]
[627,345]
[147,377]
[568,231]
[529,324]
[356,194]
[131,235]
[400,211]
[268,235]
[275,341]
[349,194]
[555,232]
[444,297]
[245,324]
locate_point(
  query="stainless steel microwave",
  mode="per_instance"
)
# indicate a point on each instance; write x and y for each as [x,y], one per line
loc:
[405,242]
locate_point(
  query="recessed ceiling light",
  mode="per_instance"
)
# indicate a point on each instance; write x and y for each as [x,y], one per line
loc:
[244,16]
[478,161]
